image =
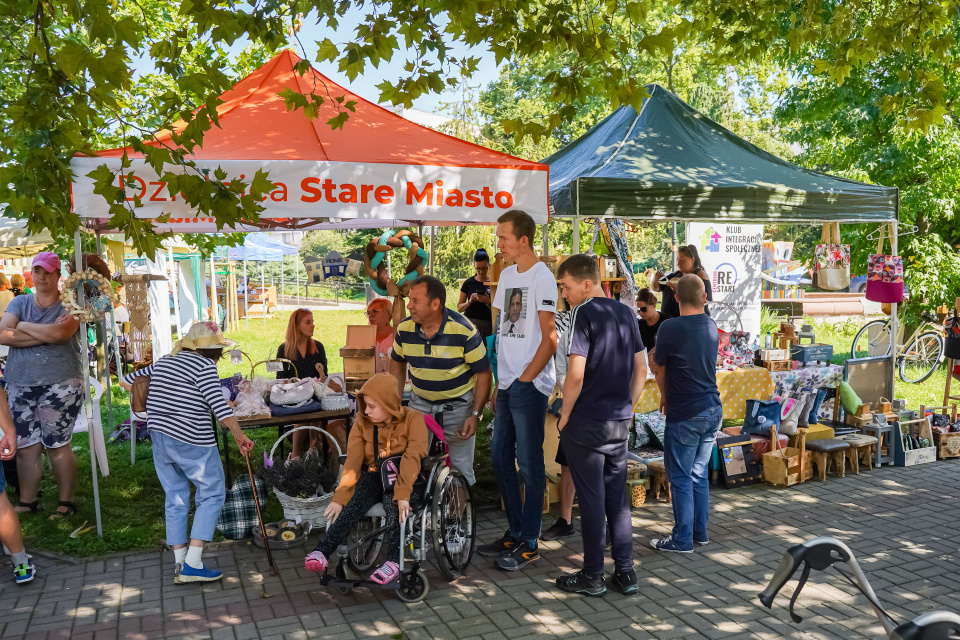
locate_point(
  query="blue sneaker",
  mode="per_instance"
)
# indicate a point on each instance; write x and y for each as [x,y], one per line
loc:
[668,544]
[24,573]
[203,574]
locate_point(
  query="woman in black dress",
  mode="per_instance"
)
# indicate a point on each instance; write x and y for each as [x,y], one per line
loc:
[310,359]
[688,261]
[474,301]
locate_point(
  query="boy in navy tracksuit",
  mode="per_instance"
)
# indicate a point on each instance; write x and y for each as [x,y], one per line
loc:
[606,371]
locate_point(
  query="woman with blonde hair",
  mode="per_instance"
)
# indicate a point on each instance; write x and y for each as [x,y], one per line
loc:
[310,361]
[379,314]
[18,285]
[5,294]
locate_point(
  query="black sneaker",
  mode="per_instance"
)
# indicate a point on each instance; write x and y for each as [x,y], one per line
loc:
[626,582]
[579,582]
[496,549]
[560,529]
[521,555]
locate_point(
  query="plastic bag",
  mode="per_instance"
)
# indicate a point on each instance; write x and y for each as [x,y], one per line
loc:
[250,400]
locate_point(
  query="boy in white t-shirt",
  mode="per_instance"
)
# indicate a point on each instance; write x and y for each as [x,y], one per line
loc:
[527,297]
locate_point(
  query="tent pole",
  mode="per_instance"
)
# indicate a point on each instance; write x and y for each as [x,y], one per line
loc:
[674,249]
[576,219]
[175,279]
[433,251]
[546,239]
[296,271]
[213,293]
[283,267]
[87,399]
[246,295]
[894,321]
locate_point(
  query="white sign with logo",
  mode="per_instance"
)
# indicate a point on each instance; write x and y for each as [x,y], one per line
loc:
[730,254]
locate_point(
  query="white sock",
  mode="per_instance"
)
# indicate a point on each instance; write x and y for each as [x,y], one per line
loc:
[179,555]
[193,557]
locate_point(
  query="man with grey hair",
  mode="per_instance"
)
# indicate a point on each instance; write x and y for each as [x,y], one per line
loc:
[685,366]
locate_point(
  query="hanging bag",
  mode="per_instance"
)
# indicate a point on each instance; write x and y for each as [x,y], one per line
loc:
[832,260]
[139,392]
[952,329]
[885,273]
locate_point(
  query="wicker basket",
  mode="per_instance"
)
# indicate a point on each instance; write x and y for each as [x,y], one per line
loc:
[308,509]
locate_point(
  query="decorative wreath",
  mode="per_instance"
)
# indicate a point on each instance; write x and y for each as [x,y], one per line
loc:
[376,270]
[98,295]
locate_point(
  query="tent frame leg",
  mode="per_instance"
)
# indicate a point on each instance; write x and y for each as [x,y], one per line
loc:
[87,397]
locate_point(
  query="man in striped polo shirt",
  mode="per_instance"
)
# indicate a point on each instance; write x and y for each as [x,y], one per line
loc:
[449,368]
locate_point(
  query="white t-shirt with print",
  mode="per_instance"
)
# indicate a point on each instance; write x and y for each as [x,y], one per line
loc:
[520,297]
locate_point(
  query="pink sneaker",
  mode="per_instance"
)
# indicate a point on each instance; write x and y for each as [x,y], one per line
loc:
[316,561]
[386,574]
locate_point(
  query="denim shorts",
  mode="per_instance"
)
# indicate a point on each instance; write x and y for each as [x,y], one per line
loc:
[46,414]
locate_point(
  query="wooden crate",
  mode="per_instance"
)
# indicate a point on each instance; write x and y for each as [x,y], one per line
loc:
[947,444]
[903,457]
[778,365]
[790,466]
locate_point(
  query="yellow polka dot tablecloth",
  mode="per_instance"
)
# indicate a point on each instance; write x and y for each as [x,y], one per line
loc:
[735,387]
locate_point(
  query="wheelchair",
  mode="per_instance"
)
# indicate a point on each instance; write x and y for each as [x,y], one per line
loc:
[441,517]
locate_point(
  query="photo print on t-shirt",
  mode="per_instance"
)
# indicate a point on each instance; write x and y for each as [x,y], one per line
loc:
[515,317]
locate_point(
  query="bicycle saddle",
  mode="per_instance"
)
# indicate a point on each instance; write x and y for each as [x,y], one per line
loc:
[937,625]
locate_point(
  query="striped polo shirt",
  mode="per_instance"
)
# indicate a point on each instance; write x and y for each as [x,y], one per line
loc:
[444,366]
[184,390]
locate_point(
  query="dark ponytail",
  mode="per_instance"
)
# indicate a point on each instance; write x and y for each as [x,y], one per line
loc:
[481,255]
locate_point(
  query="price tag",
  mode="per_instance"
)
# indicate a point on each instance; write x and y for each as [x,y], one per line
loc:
[274,366]
[236,357]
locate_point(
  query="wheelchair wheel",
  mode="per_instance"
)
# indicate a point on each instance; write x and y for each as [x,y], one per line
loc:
[454,529]
[342,575]
[363,558]
[413,587]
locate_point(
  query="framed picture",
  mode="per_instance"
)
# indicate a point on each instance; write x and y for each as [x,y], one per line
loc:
[737,461]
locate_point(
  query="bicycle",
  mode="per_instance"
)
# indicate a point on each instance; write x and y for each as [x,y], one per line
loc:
[820,554]
[917,358]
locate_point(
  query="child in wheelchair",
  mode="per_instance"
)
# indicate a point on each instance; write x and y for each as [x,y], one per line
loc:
[385,472]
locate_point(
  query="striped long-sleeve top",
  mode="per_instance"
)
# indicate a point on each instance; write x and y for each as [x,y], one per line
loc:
[184,389]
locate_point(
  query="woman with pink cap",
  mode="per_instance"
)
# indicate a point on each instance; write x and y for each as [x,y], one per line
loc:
[44,384]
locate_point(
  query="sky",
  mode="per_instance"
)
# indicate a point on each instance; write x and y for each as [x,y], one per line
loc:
[366,85]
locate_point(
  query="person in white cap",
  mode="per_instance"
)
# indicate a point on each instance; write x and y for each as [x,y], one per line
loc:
[184,390]
[44,384]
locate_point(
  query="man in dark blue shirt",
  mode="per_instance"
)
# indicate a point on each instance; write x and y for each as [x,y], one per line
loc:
[606,370]
[685,364]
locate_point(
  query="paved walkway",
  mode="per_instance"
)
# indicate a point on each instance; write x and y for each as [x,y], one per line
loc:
[903,524]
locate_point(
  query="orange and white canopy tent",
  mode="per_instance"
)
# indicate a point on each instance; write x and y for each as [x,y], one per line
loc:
[377,170]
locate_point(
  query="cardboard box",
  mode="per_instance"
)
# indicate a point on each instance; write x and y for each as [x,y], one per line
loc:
[811,352]
[359,355]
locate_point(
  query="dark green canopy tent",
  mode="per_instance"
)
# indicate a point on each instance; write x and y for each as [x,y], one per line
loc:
[670,162]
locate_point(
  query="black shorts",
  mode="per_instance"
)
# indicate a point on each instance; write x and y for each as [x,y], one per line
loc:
[561,458]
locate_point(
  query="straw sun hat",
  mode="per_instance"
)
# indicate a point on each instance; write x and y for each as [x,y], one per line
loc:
[203,335]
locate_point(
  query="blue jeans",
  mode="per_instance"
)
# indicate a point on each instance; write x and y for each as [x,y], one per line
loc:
[178,466]
[687,448]
[518,435]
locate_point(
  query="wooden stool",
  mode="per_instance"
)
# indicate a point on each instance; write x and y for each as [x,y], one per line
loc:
[658,479]
[861,451]
[826,450]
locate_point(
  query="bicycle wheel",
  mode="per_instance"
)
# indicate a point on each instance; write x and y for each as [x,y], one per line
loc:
[873,339]
[921,358]
[454,530]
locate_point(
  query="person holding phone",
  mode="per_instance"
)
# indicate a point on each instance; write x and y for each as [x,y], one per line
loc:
[474,300]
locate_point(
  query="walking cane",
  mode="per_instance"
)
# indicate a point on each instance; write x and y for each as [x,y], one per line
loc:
[263,527]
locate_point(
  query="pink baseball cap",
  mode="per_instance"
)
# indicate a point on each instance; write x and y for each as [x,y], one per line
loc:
[48,260]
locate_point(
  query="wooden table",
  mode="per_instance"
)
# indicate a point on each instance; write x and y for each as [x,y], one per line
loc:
[281,423]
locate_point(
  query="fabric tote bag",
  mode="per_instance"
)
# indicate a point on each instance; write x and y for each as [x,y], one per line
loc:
[832,259]
[760,416]
[885,274]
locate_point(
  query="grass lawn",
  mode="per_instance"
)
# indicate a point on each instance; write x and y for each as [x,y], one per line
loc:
[132,499]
